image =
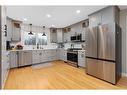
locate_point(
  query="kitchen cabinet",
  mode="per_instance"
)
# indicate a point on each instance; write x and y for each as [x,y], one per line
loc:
[13,59]
[24,58]
[40,56]
[13,30]
[53,35]
[36,56]
[95,19]
[106,15]
[59,36]
[81,58]
[56,36]
[9,29]
[62,54]
[16,33]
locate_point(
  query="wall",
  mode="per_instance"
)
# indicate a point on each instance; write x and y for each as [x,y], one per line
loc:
[123,24]
[35,29]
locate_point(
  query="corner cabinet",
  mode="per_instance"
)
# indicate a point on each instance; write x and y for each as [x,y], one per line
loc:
[56,35]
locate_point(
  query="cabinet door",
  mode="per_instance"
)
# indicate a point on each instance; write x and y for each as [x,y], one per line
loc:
[16,33]
[53,36]
[13,59]
[107,15]
[95,19]
[41,56]
[59,36]
[25,58]
[81,58]
[9,29]
[35,56]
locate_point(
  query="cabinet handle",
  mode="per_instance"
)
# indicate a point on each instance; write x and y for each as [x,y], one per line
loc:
[82,55]
[5,30]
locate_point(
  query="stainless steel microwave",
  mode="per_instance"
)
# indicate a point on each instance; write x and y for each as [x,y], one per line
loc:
[76,38]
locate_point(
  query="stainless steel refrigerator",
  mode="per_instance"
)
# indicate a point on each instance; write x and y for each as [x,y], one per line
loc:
[103,52]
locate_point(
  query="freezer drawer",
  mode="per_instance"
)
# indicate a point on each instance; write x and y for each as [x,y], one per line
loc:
[94,68]
[101,69]
[109,71]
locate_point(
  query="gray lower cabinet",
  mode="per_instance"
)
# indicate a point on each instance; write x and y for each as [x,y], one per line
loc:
[39,56]
[62,54]
[36,56]
[25,58]
[81,58]
[13,59]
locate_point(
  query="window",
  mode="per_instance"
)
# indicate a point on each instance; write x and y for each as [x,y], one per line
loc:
[29,39]
[41,40]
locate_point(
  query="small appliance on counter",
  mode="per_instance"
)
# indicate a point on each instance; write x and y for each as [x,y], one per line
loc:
[8,46]
[19,47]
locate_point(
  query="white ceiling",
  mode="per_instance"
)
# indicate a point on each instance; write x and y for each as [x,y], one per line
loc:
[61,16]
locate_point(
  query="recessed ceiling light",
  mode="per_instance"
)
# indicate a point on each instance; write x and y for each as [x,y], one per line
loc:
[53,25]
[78,11]
[48,15]
[25,19]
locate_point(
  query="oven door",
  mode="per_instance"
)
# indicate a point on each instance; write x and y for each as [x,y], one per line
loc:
[73,57]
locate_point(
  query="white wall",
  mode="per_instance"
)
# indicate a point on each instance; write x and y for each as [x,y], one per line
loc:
[123,25]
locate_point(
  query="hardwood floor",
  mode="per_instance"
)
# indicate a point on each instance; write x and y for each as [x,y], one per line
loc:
[58,76]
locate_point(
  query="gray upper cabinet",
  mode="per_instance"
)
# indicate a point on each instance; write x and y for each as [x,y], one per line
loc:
[53,35]
[13,30]
[9,28]
[59,36]
[107,15]
[110,14]
[95,19]
[16,33]
[56,35]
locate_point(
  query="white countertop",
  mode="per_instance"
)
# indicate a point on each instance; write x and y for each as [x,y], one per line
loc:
[42,49]
[37,49]
[31,49]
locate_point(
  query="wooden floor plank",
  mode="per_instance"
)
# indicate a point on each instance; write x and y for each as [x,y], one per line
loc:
[58,76]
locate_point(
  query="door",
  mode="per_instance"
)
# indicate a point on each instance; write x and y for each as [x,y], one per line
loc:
[91,42]
[106,41]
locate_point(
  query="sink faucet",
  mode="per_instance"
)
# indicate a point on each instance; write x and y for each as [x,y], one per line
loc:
[72,45]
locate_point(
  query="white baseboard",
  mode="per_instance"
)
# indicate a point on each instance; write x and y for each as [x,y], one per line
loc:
[124,74]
